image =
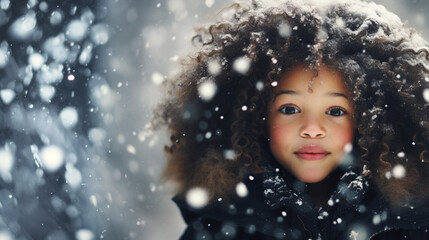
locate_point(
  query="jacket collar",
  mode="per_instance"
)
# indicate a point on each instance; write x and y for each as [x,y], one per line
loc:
[355,203]
[282,190]
[278,206]
[284,194]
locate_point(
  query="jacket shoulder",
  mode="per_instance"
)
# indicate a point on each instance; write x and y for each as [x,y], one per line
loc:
[246,217]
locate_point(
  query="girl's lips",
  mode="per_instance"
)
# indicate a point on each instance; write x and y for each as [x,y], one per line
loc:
[311,152]
[311,156]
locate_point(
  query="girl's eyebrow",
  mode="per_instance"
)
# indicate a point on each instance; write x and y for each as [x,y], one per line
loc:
[284,92]
[291,92]
[336,94]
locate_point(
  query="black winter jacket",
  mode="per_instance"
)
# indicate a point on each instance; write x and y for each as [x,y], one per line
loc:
[354,211]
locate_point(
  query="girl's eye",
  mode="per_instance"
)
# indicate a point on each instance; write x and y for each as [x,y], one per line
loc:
[336,112]
[289,110]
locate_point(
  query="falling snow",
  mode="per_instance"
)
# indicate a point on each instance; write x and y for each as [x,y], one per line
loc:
[4,54]
[209,3]
[229,154]
[214,67]
[398,171]
[97,135]
[259,86]
[6,164]
[131,149]
[284,30]
[76,30]
[73,176]
[241,190]
[7,95]
[52,158]
[64,92]
[36,61]
[388,175]
[6,235]
[84,234]
[157,78]
[207,90]
[242,65]
[56,106]
[426,95]
[197,197]
[100,34]
[348,148]
[56,17]
[69,117]
[24,27]
[376,219]
[47,92]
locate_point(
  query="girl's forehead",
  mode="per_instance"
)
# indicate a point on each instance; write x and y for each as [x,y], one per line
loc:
[302,79]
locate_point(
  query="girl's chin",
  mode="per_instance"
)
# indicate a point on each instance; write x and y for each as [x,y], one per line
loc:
[311,180]
[312,177]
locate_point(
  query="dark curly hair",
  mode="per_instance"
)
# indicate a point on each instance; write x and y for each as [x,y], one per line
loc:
[384,66]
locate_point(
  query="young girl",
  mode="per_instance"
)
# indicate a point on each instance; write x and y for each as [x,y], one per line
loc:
[302,119]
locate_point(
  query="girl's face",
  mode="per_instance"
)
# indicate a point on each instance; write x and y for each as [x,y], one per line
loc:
[310,122]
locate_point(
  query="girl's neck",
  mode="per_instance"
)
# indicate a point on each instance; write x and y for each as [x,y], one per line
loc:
[320,192]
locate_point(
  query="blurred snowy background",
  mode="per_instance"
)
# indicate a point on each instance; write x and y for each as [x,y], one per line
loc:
[78,81]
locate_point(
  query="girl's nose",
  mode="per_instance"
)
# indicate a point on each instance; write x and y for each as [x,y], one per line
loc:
[312,129]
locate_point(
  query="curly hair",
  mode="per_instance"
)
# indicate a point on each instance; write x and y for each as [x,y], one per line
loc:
[218,140]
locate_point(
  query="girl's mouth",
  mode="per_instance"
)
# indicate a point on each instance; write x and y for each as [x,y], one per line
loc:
[311,152]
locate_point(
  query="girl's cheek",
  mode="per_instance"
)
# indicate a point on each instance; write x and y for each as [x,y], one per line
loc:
[279,134]
[344,134]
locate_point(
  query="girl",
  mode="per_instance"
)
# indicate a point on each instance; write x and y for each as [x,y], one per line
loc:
[302,119]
